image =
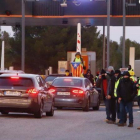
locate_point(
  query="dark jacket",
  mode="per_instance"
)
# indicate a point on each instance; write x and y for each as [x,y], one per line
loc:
[99,84]
[90,77]
[126,90]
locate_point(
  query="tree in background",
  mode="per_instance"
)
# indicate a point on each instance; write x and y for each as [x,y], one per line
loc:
[46,45]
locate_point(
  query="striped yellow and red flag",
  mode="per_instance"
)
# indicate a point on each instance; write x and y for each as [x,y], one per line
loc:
[76,69]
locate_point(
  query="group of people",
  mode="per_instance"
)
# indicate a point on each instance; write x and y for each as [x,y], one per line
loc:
[118,92]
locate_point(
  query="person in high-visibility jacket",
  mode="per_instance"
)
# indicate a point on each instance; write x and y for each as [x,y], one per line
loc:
[130,68]
[132,76]
[138,86]
[78,58]
[118,77]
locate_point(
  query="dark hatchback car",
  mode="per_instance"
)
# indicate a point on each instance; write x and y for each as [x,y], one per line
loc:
[25,93]
[49,79]
[74,92]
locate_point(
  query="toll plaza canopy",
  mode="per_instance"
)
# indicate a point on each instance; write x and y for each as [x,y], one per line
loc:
[87,12]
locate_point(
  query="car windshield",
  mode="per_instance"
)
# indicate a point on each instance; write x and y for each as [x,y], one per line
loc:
[8,82]
[50,78]
[67,82]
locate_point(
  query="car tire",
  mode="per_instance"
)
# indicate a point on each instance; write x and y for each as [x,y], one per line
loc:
[39,114]
[86,108]
[51,113]
[98,105]
[59,108]
[4,113]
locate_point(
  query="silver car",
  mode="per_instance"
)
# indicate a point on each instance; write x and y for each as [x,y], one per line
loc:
[74,92]
[25,93]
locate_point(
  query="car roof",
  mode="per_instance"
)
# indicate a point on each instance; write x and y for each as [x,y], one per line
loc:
[11,71]
[56,75]
[80,78]
[20,75]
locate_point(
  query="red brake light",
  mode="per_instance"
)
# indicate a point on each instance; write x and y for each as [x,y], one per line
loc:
[32,91]
[68,80]
[52,90]
[77,91]
[15,77]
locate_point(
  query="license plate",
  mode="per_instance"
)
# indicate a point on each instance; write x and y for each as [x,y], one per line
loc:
[12,93]
[63,93]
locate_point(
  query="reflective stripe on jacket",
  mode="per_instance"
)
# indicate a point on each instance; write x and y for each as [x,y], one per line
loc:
[116,86]
[139,89]
[132,78]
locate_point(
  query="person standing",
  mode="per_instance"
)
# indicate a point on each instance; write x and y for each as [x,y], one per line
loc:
[118,78]
[111,96]
[130,68]
[102,82]
[89,76]
[138,86]
[126,91]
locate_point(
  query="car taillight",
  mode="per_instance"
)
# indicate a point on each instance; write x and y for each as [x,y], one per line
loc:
[32,91]
[77,91]
[52,90]
[15,77]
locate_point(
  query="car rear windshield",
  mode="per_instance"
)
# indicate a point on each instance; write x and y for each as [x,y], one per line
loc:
[67,82]
[8,81]
[50,78]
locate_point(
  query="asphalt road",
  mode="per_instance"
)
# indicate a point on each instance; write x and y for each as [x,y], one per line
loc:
[67,124]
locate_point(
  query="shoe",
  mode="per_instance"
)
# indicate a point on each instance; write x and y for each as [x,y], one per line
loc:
[120,124]
[111,122]
[130,125]
[106,120]
[125,124]
[138,128]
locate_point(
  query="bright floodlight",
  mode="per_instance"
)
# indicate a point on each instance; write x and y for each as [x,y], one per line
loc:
[64,4]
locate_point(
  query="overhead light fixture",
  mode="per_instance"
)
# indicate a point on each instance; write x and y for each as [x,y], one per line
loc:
[77,2]
[64,4]
[8,13]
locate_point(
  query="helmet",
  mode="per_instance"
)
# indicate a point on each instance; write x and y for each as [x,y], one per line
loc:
[132,73]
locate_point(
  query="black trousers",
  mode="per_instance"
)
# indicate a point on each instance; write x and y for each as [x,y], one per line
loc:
[113,109]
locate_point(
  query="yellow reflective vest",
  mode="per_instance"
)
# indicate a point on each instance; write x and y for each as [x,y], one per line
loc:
[78,60]
[139,88]
[132,78]
[116,86]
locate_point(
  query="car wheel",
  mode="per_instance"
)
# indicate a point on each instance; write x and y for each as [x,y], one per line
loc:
[39,114]
[59,108]
[86,108]
[98,105]
[51,113]
[4,112]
